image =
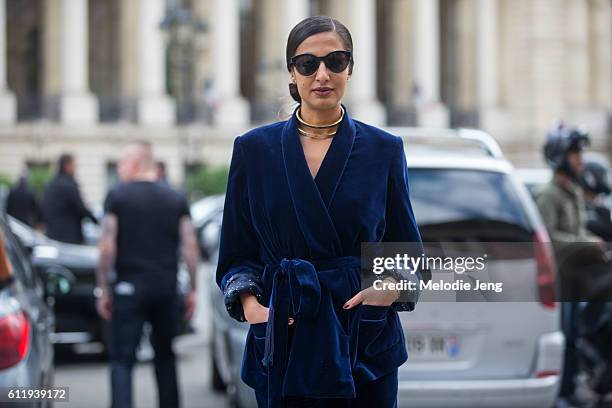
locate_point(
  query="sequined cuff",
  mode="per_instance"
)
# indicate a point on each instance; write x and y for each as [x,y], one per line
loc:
[403,306]
[408,298]
[237,285]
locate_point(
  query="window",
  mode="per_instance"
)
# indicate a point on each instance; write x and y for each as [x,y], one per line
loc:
[451,195]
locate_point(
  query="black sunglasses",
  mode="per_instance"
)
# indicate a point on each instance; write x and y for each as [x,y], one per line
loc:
[308,64]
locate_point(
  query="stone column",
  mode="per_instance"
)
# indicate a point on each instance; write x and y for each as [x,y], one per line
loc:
[589,67]
[52,61]
[202,59]
[8,104]
[154,107]
[600,23]
[338,9]
[128,24]
[576,33]
[547,57]
[272,77]
[270,84]
[232,109]
[293,12]
[491,118]
[78,106]
[530,74]
[581,53]
[362,97]
[400,60]
[430,111]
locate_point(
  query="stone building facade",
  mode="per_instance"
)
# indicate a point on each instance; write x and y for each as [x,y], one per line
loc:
[88,75]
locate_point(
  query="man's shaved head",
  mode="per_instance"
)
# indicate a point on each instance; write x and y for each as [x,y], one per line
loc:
[136,161]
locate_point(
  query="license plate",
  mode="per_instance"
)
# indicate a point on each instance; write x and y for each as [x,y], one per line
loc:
[433,346]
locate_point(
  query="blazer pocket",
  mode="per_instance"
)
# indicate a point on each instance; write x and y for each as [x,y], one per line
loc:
[253,372]
[377,333]
[259,335]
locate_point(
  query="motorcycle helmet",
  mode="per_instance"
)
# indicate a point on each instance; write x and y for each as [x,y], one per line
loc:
[594,178]
[561,141]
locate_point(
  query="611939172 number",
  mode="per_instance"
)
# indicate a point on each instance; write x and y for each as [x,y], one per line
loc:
[15,394]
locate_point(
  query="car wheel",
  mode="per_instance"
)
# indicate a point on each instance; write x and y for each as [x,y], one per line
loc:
[216,381]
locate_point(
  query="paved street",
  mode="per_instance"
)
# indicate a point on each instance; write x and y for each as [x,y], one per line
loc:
[88,375]
[88,379]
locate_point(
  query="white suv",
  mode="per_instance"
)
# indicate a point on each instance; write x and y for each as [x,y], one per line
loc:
[486,354]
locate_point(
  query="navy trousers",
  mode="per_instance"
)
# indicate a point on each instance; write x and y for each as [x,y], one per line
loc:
[380,393]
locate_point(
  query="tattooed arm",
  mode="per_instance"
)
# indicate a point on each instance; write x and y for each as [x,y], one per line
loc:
[108,250]
[190,252]
[189,248]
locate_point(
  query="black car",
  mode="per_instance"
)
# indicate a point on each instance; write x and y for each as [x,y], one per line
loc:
[77,321]
[26,320]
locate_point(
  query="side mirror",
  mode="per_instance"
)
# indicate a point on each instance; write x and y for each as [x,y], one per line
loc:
[58,280]
[203,245]
[209,238]
[28,250]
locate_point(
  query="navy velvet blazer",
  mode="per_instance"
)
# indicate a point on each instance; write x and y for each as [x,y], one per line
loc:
[294,242]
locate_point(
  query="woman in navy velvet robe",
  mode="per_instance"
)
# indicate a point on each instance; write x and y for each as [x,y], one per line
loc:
[301,198]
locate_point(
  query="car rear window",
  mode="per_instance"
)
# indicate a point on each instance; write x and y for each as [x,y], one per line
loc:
[441,196]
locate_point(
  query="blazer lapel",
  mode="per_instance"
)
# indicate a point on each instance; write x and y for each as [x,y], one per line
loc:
[310,197]
[331,170]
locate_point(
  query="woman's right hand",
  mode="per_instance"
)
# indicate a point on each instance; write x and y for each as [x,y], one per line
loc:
[254,312]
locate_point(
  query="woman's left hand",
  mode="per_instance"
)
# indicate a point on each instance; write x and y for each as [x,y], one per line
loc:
[373,297]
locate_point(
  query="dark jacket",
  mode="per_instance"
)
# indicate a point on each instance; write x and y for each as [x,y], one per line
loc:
[21,203]
[295,243]
[64,210]
[599,221]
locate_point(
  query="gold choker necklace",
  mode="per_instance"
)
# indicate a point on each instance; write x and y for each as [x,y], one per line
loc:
[299,118]
[316,136]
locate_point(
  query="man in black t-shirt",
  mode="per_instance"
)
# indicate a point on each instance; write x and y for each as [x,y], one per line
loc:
[145,225]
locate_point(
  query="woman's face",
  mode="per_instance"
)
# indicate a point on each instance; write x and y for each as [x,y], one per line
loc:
[324,89]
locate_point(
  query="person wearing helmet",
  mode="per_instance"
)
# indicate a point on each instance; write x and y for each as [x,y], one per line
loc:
[561,204]
[596,187]
[561,201]
[596,314]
